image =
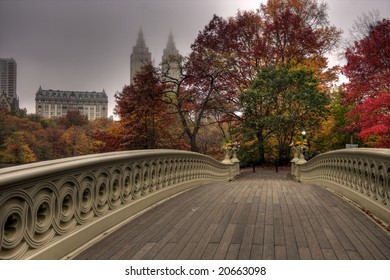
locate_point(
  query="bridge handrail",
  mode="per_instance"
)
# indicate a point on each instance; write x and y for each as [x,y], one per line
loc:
[48,209]
[360,174]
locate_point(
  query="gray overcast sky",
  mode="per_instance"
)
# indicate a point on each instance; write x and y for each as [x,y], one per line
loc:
[86,44]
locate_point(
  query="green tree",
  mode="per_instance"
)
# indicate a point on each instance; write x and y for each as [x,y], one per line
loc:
[282,100]
[330,134]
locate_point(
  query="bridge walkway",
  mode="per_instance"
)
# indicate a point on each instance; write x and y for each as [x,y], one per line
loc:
[262,215]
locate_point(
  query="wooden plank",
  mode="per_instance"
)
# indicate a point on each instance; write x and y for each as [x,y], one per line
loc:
[354,255]
[163,254]
[185,254]
[295,210]
[337,226]
[143,251]
[337,247]
[238,234]
[246,245]
[269,237]
[268,252]
[336,236]
[304,253]
[214,213]
[257,252]
[209,252]
[232,252]
[291,245]
[283,192]
[258,237]
[223,224]
[329,254]
[269,210]
[143,238]
[312,214]
[111,244]
[279,232]
[200,225]
[280,252]
[203,242]
[254,205]
[166,222]
[351,232]
[225,242]
[375,243]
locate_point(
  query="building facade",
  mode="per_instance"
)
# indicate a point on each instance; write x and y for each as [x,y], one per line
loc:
[140,56]
[56,103]
[8,97]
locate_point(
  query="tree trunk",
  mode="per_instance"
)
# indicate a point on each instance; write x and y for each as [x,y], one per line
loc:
[260,146]
[194,147]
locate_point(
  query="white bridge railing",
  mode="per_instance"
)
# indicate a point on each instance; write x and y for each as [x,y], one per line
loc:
[49,209]
[362,175]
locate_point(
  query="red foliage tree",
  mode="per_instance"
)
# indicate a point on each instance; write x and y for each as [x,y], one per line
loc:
[374,121]
[145,117]
[368,89]
[73,118]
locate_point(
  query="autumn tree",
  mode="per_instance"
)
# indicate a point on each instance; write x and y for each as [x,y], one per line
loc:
[282,31]
[19,139]
[237,48]
[368,89]
[297,30]
[194,93]
[145,118]
[72,118]
[106,135]
[75,142]
[16,149]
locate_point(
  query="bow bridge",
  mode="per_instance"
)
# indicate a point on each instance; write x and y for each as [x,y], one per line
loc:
[169,204]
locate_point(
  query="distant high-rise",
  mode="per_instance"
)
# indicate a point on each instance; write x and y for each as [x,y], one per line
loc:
[140,56]
[169,52]
[8,98]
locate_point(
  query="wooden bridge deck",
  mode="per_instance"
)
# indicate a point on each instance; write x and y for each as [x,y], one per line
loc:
[263,215]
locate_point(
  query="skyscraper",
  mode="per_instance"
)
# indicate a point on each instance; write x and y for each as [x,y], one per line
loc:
[172,68]
[140,56]
[8,98]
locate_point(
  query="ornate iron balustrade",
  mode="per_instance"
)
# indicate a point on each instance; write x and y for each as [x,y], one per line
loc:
[49,209]
[362,175]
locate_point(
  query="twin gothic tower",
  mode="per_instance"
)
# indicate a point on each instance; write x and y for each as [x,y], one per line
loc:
[141,54]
